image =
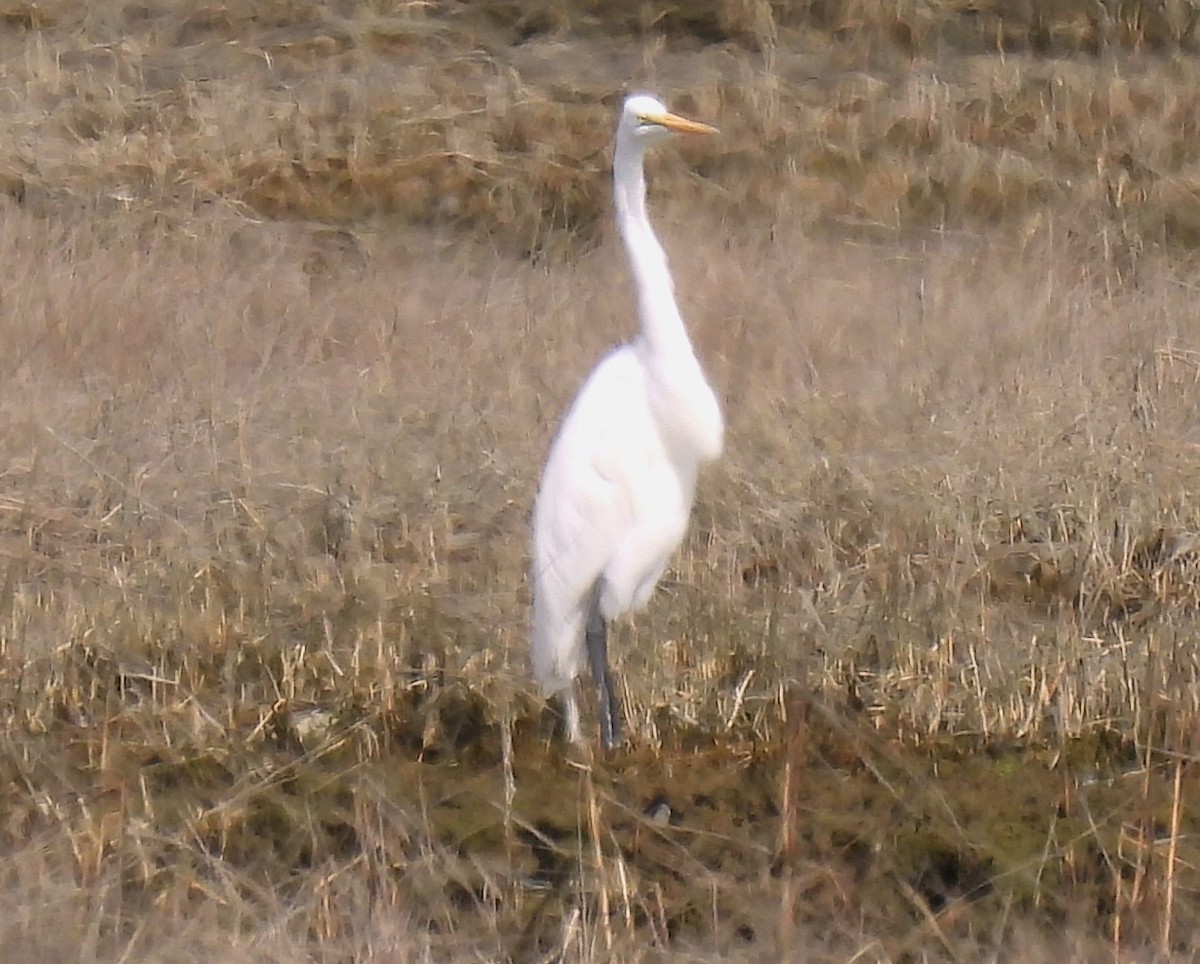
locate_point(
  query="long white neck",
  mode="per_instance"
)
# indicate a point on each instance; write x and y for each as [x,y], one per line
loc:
[663,330]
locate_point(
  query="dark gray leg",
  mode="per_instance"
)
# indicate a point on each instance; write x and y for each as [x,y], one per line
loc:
[596,635]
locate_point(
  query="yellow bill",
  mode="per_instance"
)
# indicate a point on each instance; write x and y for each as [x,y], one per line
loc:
[680,125]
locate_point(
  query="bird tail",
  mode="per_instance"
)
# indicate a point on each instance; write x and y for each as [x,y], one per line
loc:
[557,655]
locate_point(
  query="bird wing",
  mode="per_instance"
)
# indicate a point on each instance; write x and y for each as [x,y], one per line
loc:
[586,503]
[587,498]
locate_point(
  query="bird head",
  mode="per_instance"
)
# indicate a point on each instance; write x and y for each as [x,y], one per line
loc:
[648,121]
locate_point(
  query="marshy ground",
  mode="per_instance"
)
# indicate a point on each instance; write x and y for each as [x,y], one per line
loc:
[294,297]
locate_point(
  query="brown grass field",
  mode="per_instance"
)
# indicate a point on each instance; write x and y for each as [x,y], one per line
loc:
[295,294]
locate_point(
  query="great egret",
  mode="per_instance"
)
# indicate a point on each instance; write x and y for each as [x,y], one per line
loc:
[621,475]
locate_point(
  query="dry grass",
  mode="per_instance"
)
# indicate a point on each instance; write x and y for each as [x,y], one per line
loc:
[265,543]
[494,118]
[276,385]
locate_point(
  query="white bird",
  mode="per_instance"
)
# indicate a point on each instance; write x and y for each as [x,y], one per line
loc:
[620,478]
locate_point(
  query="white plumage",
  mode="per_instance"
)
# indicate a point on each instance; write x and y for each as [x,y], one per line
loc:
[618,484]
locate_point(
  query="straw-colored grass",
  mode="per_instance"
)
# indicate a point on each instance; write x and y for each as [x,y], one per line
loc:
[295,296]
[495,118]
